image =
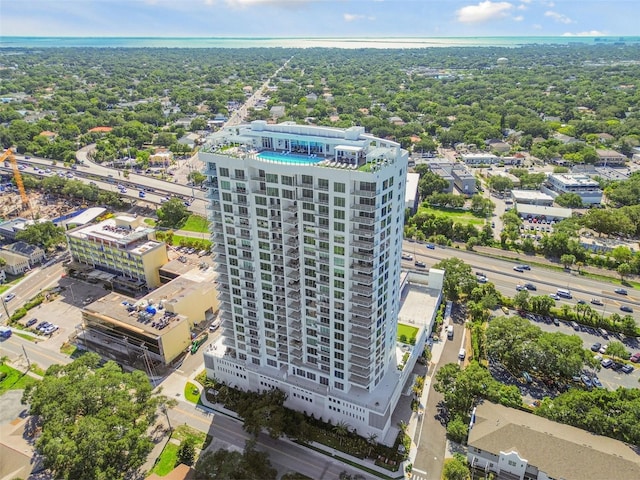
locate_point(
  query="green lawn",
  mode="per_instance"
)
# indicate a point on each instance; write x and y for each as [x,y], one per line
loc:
[150,221]
[179,240]
[196,223]
[191,393]
[406,330]
[458,216]
[14,380]
[167,460]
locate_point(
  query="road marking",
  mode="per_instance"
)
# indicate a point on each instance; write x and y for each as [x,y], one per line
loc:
[414,469]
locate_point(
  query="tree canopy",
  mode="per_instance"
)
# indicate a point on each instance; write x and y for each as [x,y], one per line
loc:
[231,465]
[173,213]
[95,419]
[45,235]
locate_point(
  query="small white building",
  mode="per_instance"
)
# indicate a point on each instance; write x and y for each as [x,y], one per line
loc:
[588,189]
[531,197]
[411,191]
[16,264]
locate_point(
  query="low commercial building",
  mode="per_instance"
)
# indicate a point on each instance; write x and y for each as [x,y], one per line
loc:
[480,158]
[15,263]
[153,333]
[456,174]
[531,197]
[517,445]
[123,246]
[10,228]
[610,158]
[582,185]
[543,212]
[34,253]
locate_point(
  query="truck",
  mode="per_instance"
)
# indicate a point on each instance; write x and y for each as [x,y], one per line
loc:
[197,343]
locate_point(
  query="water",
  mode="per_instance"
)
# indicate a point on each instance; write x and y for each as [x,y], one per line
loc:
[287,158]
[309,42]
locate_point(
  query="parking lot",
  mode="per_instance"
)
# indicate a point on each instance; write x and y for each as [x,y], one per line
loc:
[610,378]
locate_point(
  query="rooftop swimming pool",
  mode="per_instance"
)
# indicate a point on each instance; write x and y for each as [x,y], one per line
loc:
[288,158]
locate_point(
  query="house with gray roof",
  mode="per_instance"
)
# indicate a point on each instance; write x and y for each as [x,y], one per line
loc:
[517,445]
[34,253]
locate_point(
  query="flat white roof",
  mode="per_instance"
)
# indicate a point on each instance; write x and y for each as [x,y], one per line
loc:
[531,195]
[540,210]
[411,188]
[85,217]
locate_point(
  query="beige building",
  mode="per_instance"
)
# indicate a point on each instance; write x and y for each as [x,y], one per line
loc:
[16,264]
[154,332]
[123,246]
[516,445]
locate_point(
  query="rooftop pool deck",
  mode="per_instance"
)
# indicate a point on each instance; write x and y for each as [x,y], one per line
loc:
[286,157]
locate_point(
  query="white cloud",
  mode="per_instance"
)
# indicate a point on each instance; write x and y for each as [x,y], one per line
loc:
[558,17]
[352,17]
[519,18]
[484,11]
[590,33]
[277,3]
[522,6]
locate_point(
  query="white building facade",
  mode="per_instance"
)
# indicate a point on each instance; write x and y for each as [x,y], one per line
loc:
[582,185]
[307,223]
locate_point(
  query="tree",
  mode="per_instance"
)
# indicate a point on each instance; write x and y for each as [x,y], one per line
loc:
[431,183]
[187,452]
[45,235]
[455,469]
[567,260]
[569,200]
[458,278]
[623,270]
[172,213]
[225,465]
[95,420]
[457,430]
[196,177]
[500,183]
[617,350]
[341,429]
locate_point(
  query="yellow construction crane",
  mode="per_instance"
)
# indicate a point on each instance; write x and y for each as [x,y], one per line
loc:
[8,155]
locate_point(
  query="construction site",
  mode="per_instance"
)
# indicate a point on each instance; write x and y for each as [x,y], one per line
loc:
[16,201]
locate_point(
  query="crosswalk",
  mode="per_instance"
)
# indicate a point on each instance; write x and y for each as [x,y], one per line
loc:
[418,474]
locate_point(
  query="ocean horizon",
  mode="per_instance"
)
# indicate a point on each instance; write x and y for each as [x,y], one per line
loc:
[306,42]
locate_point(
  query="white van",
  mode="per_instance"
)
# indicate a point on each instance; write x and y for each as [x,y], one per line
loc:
[214,326]
[462,354]
[450,332]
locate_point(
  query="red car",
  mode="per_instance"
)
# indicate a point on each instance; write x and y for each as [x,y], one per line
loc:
[635,358]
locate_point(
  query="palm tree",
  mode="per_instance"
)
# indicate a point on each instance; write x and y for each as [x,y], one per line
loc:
[371,439]
[341,429]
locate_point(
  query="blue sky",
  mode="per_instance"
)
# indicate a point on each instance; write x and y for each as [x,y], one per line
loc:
[318,18]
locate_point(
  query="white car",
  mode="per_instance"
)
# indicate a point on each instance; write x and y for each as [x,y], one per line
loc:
[406,256]
[603,348]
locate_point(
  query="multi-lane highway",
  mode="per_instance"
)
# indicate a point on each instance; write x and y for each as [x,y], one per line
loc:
[547,280]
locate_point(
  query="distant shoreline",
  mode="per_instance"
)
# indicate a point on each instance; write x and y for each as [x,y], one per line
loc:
[308,42]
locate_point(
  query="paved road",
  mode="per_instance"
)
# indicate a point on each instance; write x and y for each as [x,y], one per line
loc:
[501,273]
[431,436]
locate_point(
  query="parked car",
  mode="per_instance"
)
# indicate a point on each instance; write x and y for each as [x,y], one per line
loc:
[635,358]
[595,347]
[586,380]
[620,291]
[606,363]
[617,366]
[603,349]
[596,382]
[626,368]
[31,321]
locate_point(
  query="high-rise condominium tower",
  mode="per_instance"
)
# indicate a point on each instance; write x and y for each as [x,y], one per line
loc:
[307,225]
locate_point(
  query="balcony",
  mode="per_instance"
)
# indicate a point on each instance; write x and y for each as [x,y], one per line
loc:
[364,279]
[364,193]
[293,231]
[362,300]
[362,256]
[366,244]
[293,263]
[359,380]
[361,350]
[362,311]
[293,253]
[365,232]
[362,268]
[276,217]
[363,220]
[294,315]
[361,331]
[364,290]
[294,275]
[362,364]
[213,194]
[360,371]
[363,208]
[292,208]
[291,219]
[295,306]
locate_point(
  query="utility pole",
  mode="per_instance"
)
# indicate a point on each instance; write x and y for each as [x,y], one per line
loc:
[6,310]
[27,357]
